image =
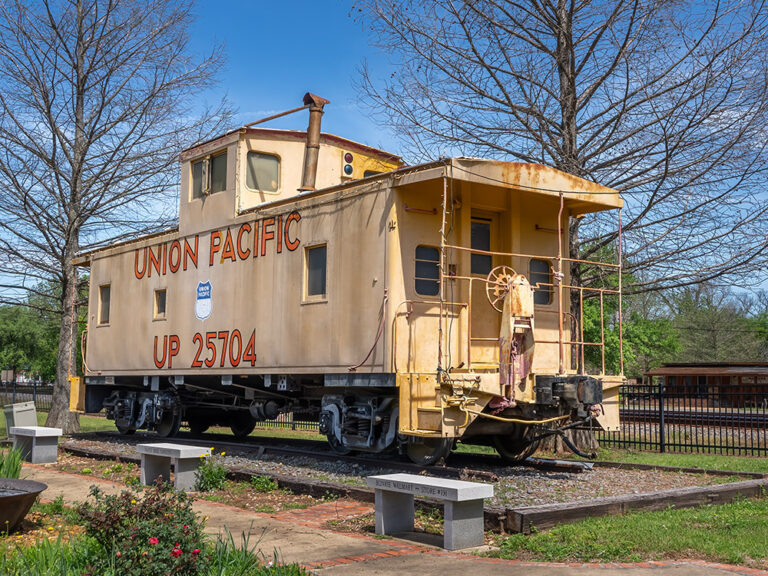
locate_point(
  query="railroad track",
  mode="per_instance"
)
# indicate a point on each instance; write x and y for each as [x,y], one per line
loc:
[459,465]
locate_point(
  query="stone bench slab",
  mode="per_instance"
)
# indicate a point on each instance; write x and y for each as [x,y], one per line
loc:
[170,450]
[35,431]
[440,488]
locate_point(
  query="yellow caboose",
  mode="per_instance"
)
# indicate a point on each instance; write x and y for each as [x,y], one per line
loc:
[401,306]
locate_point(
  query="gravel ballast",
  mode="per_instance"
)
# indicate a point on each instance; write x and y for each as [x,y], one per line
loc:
[516,486]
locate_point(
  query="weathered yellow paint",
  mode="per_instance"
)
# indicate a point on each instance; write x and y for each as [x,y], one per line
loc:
[76,394]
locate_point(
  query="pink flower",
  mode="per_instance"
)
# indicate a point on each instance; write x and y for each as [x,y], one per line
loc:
[153,540]
[176,552]
[196,551]
[133,535]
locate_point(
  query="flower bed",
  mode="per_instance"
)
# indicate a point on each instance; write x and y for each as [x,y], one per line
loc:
[147,532]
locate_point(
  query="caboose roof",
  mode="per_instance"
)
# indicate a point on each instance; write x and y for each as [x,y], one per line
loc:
[581,196]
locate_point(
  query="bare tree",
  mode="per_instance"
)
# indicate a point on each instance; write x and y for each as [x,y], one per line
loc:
[664,100]
[97,98]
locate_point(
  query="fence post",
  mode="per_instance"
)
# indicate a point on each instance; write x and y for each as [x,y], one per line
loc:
[13,394]
[662,428]
[34,391]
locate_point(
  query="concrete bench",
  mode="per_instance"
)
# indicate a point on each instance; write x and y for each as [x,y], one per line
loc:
[463,508]
[38,444]
[156,461]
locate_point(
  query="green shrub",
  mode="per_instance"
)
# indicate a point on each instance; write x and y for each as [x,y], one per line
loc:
[82,555]
[263,484]
[149,533]
[210,475]
[10,463]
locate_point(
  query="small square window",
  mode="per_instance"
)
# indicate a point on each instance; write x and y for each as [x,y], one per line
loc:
[317,257]
[427,271]
[540,271]
[263,172]
[159,304]
[104,297]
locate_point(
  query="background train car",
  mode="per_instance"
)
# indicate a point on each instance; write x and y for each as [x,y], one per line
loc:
[404,307]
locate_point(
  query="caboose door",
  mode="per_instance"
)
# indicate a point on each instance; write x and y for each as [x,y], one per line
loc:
[484,319]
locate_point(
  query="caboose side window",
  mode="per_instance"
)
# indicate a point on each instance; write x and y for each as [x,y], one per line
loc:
[219,173]
[209,175]
[317,259]
[263,172]
[481,240]
[159,311]
[104,297]
[540,271]
[197,179]
[427,271]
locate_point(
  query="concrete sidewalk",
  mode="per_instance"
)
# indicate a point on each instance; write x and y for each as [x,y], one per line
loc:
[300,536]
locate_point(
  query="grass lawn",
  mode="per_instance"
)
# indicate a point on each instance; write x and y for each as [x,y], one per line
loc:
[706,461]
[87,423]
[732,533]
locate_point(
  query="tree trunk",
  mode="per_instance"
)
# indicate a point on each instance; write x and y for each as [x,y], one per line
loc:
[60,415]
[66,363]
[583,439]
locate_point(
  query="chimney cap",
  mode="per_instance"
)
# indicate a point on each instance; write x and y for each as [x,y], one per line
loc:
[315,100]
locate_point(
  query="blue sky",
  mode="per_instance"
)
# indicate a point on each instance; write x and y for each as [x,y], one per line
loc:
[277,51]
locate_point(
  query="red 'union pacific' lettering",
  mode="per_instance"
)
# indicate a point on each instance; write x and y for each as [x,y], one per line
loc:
[250,240]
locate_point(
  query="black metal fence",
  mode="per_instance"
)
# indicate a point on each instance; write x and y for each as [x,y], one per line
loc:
[720,419]
[290,422]
[40,394]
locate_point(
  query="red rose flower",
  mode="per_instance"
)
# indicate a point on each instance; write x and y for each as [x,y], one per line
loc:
[153,540]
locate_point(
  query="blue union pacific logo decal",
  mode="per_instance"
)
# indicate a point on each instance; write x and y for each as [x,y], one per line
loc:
[203,301]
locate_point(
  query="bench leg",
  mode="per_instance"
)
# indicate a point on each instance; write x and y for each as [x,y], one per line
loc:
[24,445]
[394,512]
[153,466]
[45,449]
[186,471]
[463,524]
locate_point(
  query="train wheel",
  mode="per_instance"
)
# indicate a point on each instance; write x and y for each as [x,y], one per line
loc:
[198,425]
[242,425]
[515,449]
[429,450]
[126,430]
[169,424]
[336,446]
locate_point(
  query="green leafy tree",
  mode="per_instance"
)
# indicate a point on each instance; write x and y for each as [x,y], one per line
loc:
[21,338]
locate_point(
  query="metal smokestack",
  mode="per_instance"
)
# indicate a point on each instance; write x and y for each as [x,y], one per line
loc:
[312,148]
